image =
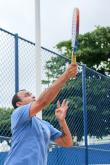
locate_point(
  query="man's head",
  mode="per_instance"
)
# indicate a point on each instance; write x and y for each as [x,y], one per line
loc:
[21,98]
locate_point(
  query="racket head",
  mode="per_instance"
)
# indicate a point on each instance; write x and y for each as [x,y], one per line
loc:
[75,29]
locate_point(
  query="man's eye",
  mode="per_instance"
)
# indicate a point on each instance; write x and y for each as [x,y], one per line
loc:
[28,94]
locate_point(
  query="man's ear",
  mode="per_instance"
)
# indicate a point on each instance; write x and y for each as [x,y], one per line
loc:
[19,103]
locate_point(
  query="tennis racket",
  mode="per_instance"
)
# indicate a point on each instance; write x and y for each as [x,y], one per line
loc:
[75,33]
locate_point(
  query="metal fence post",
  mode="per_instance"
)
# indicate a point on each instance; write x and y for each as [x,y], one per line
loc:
[85,112]
[16,64]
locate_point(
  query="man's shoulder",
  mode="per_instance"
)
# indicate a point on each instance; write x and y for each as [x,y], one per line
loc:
[20,109]
[20,115]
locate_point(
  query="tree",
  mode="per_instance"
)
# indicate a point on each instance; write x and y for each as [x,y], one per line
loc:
[94,54]
[93,49]
[54,67]
[5,121]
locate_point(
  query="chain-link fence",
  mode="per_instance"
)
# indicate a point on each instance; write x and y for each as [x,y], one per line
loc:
[89,101]
[98,112]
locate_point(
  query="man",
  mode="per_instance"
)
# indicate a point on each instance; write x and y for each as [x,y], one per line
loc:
[31,135]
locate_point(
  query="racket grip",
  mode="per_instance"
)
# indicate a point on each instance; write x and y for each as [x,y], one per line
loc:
[73,59]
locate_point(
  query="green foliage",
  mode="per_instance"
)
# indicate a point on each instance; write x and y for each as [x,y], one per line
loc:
[53,69]
[5,121]
[98,107]
[93,49]
[98,104]
[65,48]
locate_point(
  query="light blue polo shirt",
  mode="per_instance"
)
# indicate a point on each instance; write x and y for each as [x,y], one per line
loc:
[30,138]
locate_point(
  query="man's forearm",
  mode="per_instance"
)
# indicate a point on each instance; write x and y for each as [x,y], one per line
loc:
[49,94]
[66,135]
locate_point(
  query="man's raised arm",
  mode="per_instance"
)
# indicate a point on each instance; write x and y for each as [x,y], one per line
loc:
[50,93]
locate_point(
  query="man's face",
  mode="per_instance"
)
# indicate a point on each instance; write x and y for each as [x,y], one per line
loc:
[26,98]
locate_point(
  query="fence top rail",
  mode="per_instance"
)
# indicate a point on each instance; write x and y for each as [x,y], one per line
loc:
[1,29]
[100,74]
[7,32]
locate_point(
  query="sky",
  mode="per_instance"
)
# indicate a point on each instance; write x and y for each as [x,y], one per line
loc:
[18,16]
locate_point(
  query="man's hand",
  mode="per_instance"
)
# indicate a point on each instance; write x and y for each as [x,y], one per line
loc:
[61,110]
[71,70]
[66,139]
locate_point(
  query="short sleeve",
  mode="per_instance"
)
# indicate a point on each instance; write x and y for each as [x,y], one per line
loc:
[20,115]
[55,133]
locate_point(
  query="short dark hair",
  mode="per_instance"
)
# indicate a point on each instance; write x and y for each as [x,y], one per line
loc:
[15,99]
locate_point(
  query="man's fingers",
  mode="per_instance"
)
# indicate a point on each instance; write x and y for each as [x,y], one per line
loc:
[73,69]
[67,102]
[58,104]
[63,103]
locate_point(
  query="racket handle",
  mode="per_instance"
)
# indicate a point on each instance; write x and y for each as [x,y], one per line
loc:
[73,59]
